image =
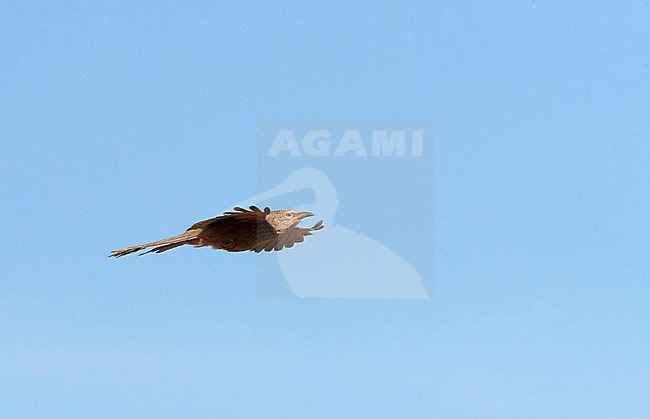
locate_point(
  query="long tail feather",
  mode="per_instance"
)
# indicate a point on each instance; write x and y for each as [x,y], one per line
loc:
[189,237]
[164,248]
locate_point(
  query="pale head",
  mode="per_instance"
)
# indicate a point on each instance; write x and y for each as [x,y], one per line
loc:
[281,220]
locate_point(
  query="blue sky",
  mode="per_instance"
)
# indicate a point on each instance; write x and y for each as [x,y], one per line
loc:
[122,122]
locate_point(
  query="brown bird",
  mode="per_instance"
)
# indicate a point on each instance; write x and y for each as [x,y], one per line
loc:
[237,231]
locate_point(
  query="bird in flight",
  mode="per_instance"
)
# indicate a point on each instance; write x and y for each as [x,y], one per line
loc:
[237,231]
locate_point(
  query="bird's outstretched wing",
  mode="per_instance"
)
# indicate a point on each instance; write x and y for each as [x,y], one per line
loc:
[236,231]
[287,239]
[238,213]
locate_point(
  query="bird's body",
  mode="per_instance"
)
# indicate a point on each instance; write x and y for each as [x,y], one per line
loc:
[237,231]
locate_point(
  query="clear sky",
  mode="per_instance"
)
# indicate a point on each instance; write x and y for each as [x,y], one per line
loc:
[122,122]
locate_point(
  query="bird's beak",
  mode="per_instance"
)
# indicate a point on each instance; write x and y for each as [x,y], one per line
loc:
[305,214]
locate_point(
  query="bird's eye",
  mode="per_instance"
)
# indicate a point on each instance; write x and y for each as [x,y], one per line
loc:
[289,215]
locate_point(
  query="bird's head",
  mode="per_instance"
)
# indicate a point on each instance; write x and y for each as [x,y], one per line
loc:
[281,220]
